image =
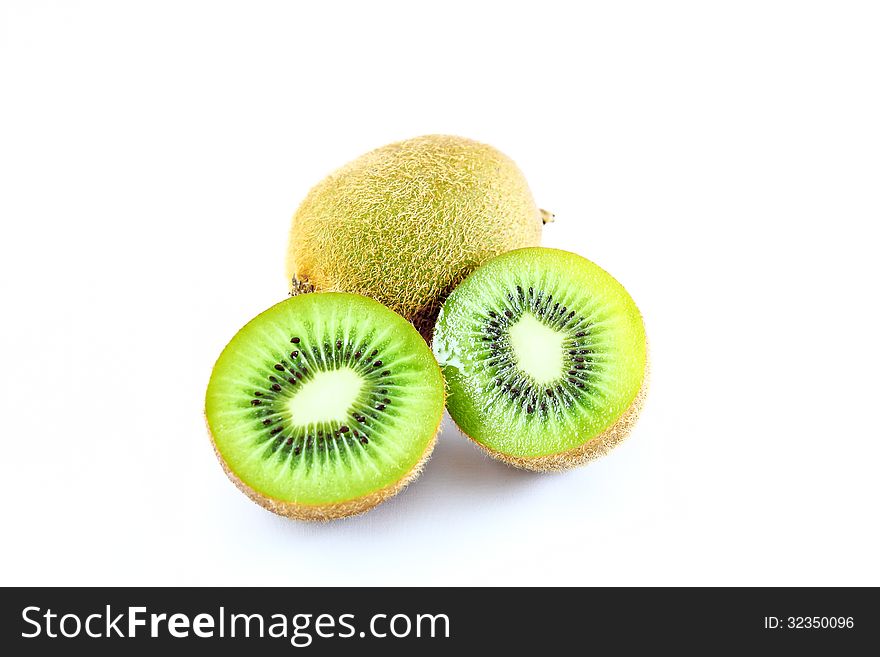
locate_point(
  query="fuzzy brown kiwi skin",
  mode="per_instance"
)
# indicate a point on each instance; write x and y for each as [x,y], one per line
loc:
[582,454]
[424,317]
[336,510]
[298,287]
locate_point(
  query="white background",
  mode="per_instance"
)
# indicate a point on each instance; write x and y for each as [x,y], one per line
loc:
[722,160]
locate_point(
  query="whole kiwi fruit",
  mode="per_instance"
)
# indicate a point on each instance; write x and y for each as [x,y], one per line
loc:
[405,223]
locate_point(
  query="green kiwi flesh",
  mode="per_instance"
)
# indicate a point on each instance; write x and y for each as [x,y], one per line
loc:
[545,357]
[324,405]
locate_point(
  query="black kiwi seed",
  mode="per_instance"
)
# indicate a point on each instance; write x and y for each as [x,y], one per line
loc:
[275,430]
[279,367]
[291,380]
[364,440]
[386,373]
[258,393]
[507,313]
[343,429]
[294,354]
[255,402]
[378,363]
[267,421]
[297,450]
[386,401]
[294,340]
[339,344]
[375,351]
[357,355]
[361,419]
[380,407]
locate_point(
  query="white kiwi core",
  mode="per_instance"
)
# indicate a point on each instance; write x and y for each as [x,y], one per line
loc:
[537,349]
[326,397]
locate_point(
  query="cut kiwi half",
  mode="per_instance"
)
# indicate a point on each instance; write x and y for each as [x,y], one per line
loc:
[324,405]
[545,357]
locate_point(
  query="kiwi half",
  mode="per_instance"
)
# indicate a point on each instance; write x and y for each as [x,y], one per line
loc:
[545,357]
[324,405]
[405,223]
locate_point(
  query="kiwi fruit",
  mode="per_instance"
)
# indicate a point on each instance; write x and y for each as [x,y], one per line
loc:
[545,358]
[405,223]
[324,405]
